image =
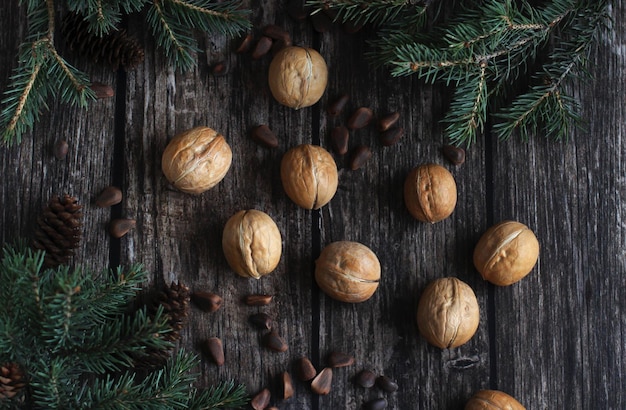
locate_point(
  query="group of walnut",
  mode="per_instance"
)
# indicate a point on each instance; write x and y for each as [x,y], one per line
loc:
[447,314]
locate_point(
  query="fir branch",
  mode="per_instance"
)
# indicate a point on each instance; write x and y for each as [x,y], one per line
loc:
[171,36]
[365,11]
[224,395]
[225,18]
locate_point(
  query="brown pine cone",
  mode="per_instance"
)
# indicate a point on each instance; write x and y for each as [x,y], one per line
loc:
[11,380]
[58,230]
[175,301]
[116,48]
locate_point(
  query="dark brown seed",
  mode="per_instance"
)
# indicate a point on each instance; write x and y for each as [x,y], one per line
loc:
[102,90]
[388,121]
[391,136]
[296,9]
[215,350]
[261,400]
[278,45]
[262,47]
[220,68]
[453,154]
[339,137]
[339,359]
[120,227]
[305,369]
[261,321]
[386,384]
[272,408]
[274,342]
[376,404]
[109,196]
[245,45]
[258,300]
[206,301]
[336,107]
[60,149]
[263,135]
[360,155]
[331,13]
[277,33]
[322,383]
[360,118]
[322,23]
[287,385]
[366,378]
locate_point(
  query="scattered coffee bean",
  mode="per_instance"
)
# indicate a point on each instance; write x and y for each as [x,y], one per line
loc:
[296,9]
[261,400]
[391,136]
[376,404]
[360,155]
[120,227]
[339,137]
[386,384]
[263,135]
[453,154]
[245,45]
[321,384]
[206,301]
[388,121]
[261,321]
[258,300]
[263,46]
[322,23]
[339,359]
[109,196]
[287,385]
[277,33]
[305,369]
[102,90]
[366,378]
[278,45]
[220,68]
[275,342]
[360,118]
[215,350]
[336,107]
[60,149]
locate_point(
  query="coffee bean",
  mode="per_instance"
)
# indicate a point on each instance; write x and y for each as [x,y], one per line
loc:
[277,33]
[261,400]
[109,196]
[102,90]
[287,385]
[245,45]
[366,378]
[219,69]
[453,154]
[215,350]
[206,301]
[321,22]
[120,227]
[386,384]
[262,47]
[263,135]
[321,384]
[376,404]
[360,155]
[360,118]
[388,121]
[337,106]
[258,300]
[60,149]
[305,369]
[339,359]
[261,321]
[391,136]
[339,137]
[274,342]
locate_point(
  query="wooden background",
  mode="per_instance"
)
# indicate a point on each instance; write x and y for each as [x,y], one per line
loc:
[555,340]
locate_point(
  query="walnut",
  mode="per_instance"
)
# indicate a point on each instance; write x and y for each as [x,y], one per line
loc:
[506,253]
[447,313]
[493,400]
[252,243]
[196,160]
[347,271]
[298,76]
[309,176]
[430,193]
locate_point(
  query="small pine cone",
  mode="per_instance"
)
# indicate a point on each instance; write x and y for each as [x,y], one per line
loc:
[175,302]
[115,48]
[12,380]
[58,230]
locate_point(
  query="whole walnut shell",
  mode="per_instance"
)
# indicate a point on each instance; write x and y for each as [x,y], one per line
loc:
[493,400]
[347,271]
[309,175]
[506,253]
[430,193]
[298,76]
[447,313]
[252,243]
[196,160]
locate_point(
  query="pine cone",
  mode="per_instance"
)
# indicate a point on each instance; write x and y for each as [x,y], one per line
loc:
[115,49]
[11,380]
[175,302]
[59,230]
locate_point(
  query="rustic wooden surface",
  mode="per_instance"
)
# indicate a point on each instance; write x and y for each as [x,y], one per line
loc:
[554,340]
